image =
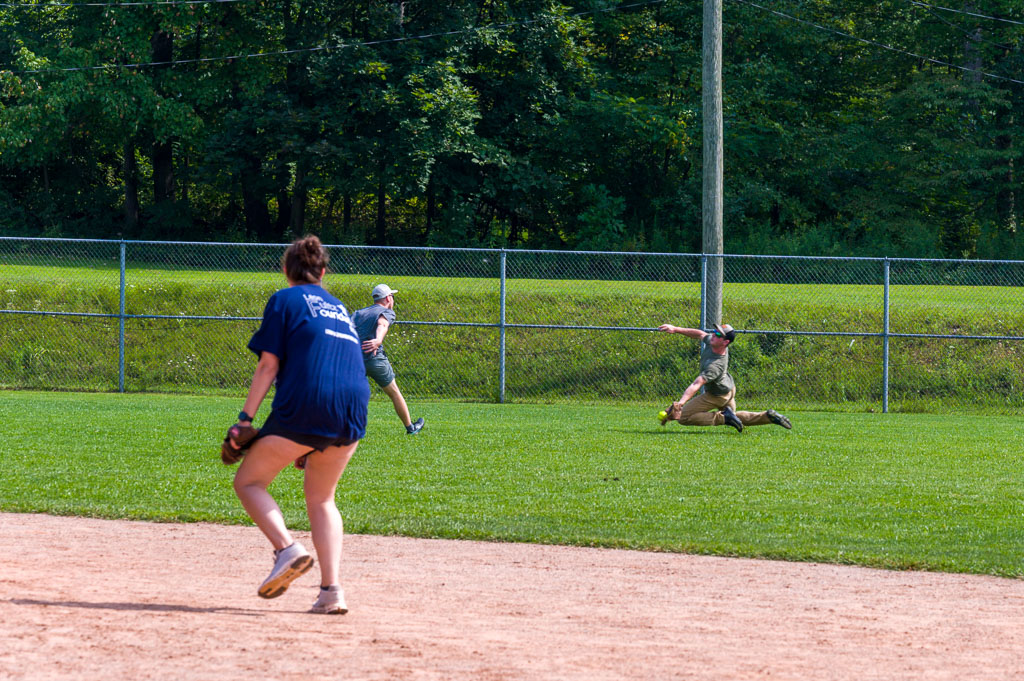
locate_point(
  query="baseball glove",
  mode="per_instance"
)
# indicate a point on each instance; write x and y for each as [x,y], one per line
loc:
[675,411]
[243,437]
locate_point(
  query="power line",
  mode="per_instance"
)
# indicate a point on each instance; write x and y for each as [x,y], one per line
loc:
[22,5]
[322,48]
[253,55]
[510,24]
[967,33]
[880,44]
[961,11]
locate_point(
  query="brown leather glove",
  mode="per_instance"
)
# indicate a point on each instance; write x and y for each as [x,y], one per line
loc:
[236,442]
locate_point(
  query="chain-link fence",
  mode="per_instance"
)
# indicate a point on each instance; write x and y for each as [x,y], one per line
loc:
[859,334]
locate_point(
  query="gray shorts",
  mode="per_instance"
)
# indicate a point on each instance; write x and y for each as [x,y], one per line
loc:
[379,369]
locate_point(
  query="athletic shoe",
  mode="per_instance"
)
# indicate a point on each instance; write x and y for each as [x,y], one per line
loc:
[331,601]
[779,420]
[289,563]
[732,420]
[415,427]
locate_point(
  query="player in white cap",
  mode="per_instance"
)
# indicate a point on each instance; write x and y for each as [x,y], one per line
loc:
[372,324]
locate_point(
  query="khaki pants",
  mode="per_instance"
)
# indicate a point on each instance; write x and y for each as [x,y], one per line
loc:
[705,410]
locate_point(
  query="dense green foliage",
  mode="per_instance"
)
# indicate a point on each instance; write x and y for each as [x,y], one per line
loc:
[518,123]
[208,356]
[896,491]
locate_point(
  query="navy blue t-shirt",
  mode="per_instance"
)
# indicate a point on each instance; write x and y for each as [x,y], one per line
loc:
[321,383]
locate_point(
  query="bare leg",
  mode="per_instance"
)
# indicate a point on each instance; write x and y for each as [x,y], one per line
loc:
[267,457]
[392,391]
[323,470]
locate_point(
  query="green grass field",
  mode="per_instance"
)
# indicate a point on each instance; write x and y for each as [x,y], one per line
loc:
[902,491]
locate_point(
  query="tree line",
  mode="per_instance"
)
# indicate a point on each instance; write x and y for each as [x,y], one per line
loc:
[851,127]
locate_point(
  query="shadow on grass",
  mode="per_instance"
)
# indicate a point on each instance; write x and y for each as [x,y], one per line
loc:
[712,432]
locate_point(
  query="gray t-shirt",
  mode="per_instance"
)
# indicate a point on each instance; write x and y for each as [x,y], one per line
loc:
[365,321]
[715,369]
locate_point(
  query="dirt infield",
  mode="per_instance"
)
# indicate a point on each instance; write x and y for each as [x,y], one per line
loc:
[100,599]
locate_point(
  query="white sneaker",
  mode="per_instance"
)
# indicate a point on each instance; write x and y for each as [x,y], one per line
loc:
[289,563]
[331,601]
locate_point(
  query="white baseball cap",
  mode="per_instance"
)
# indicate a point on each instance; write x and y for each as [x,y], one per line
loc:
[725,331]
[382,291]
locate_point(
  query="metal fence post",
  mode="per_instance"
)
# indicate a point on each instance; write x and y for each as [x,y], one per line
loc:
[703,291]
[501,333]
[885,340]
[120,340]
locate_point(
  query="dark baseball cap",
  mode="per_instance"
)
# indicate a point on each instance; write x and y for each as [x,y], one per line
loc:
[725,331]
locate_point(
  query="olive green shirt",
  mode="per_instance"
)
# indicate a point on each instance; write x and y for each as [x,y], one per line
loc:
[714,368]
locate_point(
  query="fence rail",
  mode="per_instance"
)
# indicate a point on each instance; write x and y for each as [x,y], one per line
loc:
[518,325]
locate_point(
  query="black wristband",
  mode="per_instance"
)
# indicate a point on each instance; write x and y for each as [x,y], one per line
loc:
[242,416]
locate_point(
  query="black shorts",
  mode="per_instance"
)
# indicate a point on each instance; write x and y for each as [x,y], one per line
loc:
[317,442]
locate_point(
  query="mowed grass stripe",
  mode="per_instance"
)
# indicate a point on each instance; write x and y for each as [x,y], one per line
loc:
[78,285]
[897,491]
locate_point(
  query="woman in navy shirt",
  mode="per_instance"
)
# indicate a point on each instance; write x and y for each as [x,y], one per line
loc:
[306,343]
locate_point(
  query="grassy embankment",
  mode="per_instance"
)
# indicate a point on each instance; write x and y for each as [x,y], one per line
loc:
[543,365]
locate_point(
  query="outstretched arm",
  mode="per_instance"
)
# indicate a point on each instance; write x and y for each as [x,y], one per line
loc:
[695,334]
[691,390]
[371,346]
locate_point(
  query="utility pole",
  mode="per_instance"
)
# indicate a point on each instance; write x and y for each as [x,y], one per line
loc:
[713,165]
